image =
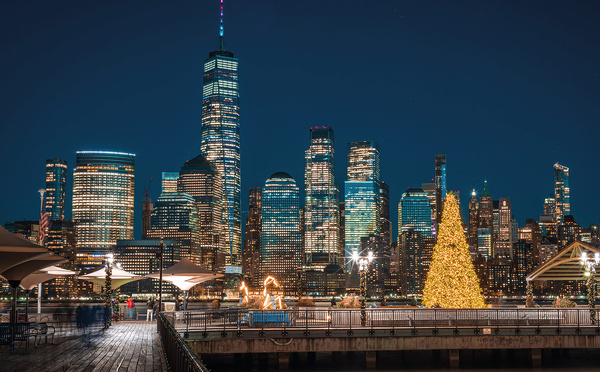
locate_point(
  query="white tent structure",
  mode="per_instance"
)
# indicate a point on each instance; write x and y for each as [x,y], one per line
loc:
[40,276]
[185,274]
[118,277]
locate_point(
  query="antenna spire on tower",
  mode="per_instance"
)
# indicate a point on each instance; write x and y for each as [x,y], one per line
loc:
[221,29]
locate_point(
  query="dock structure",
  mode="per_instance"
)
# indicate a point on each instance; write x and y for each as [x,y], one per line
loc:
[127,346]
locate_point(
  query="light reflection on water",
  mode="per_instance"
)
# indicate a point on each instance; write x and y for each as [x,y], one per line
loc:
[421,361]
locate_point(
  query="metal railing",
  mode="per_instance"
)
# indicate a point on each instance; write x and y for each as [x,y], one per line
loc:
[179,356]
[311,318]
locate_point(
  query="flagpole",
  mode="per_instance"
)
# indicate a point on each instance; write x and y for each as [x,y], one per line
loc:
[39,297]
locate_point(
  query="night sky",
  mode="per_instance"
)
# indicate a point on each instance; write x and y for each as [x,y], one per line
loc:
[504,88]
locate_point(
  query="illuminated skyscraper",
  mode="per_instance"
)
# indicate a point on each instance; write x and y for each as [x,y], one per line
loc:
[103,192]
[473,219]
[414,212]
[56,179]
[175,218]
[322,213]
[251,254]
[202,180]
[503,246]
[362,218]
[486,209]
[280,239]
[221,139]
[562,193]
[169,181]
[440,186]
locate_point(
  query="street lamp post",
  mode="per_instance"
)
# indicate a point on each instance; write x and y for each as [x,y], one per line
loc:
[590,264]
[363,270]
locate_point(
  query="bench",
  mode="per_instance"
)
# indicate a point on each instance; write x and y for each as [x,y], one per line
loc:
[6,336]
[265,319]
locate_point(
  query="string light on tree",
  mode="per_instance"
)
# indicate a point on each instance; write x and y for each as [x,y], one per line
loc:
[451,280]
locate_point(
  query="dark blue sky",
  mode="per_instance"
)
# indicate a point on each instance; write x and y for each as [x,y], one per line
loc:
[505,89]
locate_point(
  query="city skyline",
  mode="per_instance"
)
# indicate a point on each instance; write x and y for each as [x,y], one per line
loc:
[478,117]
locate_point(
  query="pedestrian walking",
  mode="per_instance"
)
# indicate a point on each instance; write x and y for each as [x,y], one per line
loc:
[150,309]
[130,306]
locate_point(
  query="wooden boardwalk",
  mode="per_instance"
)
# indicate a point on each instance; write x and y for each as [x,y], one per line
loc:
[127,346]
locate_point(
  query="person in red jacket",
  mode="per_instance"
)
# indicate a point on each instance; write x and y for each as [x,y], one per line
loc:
[130,305]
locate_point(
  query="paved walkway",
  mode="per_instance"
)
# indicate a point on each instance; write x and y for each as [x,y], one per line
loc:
[127,346]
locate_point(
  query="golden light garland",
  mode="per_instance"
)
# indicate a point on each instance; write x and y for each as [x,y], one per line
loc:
[451,280]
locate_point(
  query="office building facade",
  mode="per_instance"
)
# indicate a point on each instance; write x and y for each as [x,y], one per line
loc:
[321,207]
[280,239]
[251,254]
[414,212]
[562,193]
[56,184]
[220,142]
[440,186]
[103,203]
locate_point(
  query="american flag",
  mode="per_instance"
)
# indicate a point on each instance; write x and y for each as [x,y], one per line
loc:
[44,223]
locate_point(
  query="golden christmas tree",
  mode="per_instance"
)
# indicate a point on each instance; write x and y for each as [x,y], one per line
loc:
[451,280]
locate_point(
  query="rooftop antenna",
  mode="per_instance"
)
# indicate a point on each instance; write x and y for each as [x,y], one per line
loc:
[221,28]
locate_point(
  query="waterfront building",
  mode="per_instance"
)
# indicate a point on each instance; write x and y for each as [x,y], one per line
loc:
[498,282]
[201,179]
[473,220]
[220,142]
[414,212]
[321,207]
[56,181]
[522,265]
[251,254]
[548,249]
[169,181]
[504,243]
[440,186]
[362,193]
[139,257]
[412,279]
[175,218]
[62,240]
[103,203]
[378,267]
[562,193]
[280,239]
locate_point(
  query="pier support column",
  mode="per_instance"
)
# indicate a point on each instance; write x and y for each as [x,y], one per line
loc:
[536,358]
[454,358]
[283,361]
[371,359]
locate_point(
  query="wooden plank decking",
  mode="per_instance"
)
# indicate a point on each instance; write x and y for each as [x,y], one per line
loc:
[127,346]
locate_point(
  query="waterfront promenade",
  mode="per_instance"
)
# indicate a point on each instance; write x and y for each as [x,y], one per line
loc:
[127,346]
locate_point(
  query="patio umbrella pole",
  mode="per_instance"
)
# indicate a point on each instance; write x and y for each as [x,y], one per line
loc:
[185,300]
[39,298]
[27,291]
[14,284]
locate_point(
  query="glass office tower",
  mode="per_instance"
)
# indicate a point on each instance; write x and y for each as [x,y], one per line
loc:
[221,140]
[362,193]
[322,209]
[280,239]
[56,180]
[103,192]
[169,181]
[414,212]
[562,193]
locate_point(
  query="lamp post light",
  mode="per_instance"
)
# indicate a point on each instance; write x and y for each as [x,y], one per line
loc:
[363,270]
[590,264]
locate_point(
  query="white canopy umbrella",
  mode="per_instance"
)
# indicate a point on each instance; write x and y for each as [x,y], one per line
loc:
[185,274]
[18,272]
[118,277]
[48,273]
[15,250]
